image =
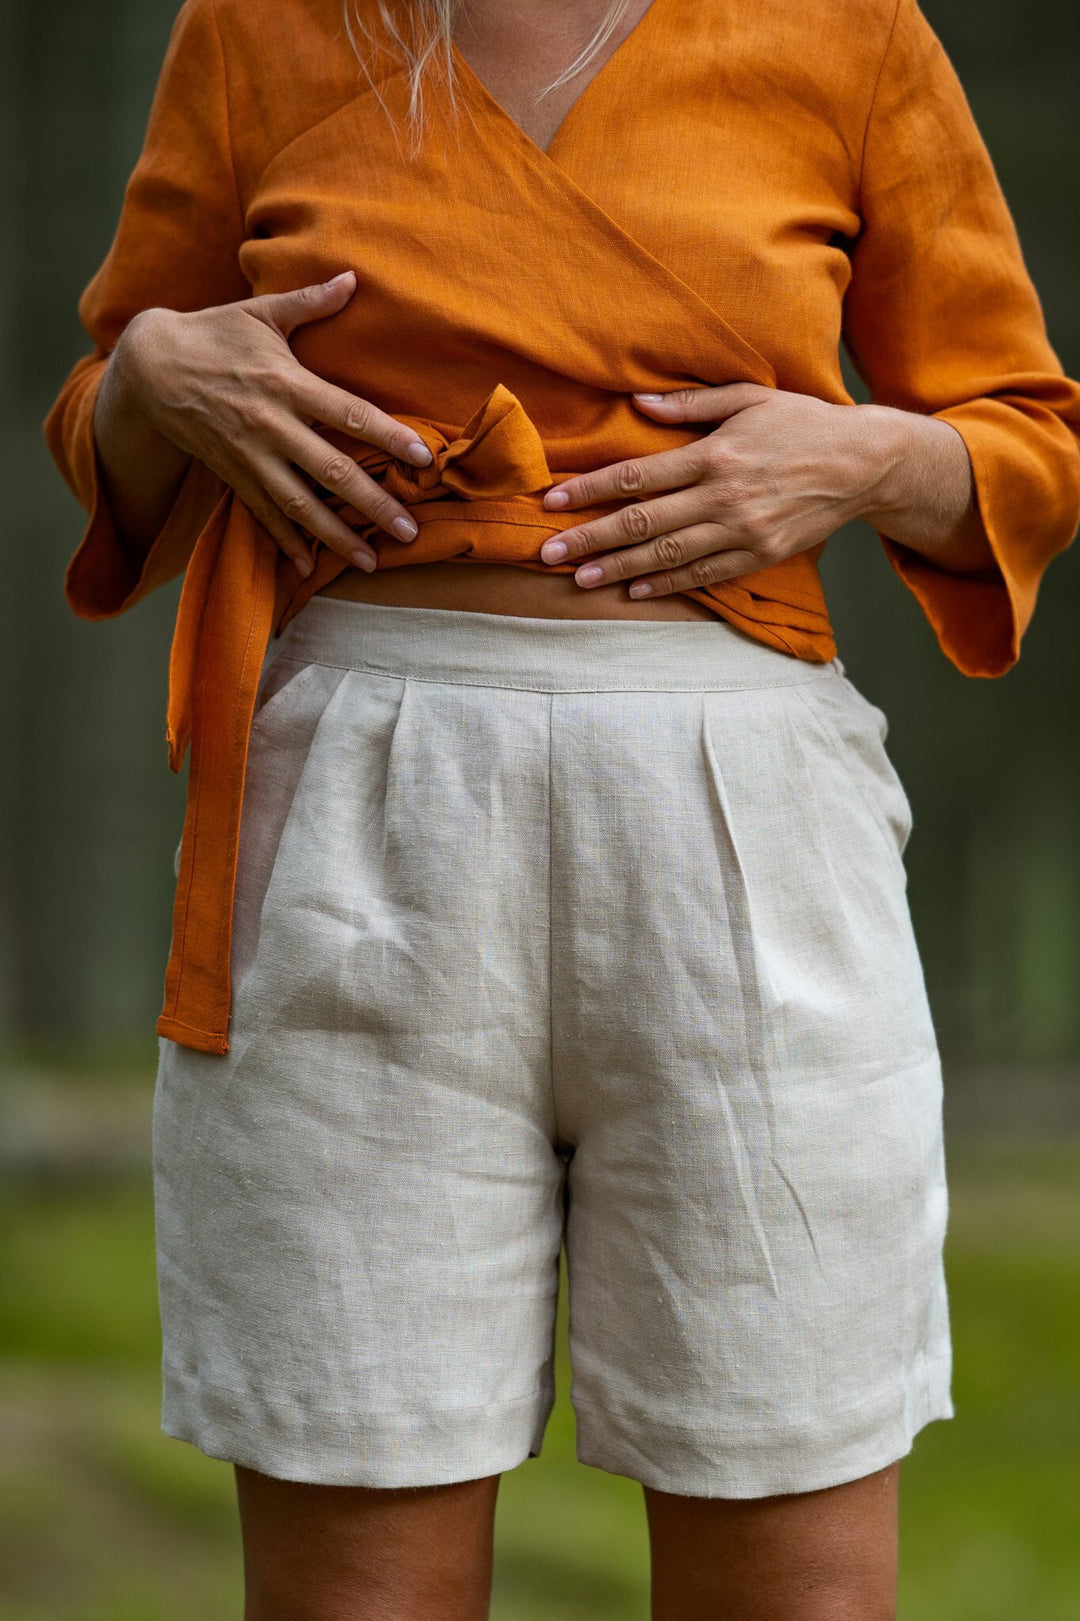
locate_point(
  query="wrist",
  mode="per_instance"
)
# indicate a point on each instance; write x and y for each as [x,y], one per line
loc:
[920,489]
[122,394]
[141,469]
[123,424]
[895,444]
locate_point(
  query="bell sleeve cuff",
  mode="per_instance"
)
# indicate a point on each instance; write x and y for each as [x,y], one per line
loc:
[1027,488]
[107,575]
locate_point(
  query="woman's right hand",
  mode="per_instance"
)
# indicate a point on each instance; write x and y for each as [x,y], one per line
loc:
[223,385]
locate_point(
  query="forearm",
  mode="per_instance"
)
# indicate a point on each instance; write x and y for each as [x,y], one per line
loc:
[141,470]
[923,491]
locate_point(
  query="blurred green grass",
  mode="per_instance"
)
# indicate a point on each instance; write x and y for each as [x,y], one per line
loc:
[102,1518]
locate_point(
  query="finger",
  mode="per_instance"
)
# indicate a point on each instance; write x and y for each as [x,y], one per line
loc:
[703,404]
[284,312]
[710,568]
[272,519]
[631,524]
[667,470]
[337,408]
[336,471]
[301,507]
[676,548]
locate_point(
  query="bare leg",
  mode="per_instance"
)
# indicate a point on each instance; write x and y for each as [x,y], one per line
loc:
[811,1556]
[343,1553]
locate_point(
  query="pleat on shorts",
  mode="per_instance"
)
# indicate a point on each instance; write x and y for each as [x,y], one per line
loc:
[554,931]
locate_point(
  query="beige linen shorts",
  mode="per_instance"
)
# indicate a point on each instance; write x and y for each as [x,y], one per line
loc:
[559,931]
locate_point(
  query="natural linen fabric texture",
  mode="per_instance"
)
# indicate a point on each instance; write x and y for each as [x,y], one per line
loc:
[598,916]
[741,186]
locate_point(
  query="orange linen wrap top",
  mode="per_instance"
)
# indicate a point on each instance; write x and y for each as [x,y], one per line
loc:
[743,185]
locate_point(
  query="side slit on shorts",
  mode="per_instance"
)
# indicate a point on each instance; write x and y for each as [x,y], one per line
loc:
[545,932]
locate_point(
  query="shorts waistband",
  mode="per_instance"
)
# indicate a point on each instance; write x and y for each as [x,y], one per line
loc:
[544,655]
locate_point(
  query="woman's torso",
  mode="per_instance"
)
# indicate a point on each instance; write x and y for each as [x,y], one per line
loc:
[502,589]
[511,299]
[516,56]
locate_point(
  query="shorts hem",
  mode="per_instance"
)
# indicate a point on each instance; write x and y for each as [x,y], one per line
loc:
[352,1449]
[733,1463]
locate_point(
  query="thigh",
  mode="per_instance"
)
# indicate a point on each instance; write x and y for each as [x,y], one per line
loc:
[827,1555]
[359,1207]
[747,1070]
[333,1553]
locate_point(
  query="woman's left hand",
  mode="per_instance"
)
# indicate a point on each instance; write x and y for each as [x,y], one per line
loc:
[781,474]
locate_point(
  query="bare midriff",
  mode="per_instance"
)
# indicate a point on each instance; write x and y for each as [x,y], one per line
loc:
[501,588]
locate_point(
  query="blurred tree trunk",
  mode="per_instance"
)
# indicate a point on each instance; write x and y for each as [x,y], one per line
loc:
[10,154]
[96,814]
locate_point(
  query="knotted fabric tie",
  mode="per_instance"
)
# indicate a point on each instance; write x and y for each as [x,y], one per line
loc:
[497,454]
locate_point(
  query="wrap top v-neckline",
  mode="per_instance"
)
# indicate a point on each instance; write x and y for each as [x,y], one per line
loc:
[479,90]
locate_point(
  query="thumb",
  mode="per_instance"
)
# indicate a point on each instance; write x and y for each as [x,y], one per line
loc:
[703,404]
[283,312]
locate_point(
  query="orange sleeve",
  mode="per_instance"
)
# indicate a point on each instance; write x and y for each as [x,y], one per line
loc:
[176,247]
[941,317]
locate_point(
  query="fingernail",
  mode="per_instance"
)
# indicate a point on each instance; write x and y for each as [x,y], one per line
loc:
[650,399]
[418,453]
[363,560]
[335,281]
[556,498]
[589,574]
[404,528]
[641,588]
[305,566]
[553,551]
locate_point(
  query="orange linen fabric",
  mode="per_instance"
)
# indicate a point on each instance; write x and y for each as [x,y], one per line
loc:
[744,185]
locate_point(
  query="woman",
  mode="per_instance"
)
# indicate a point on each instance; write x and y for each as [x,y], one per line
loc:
[559,890]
